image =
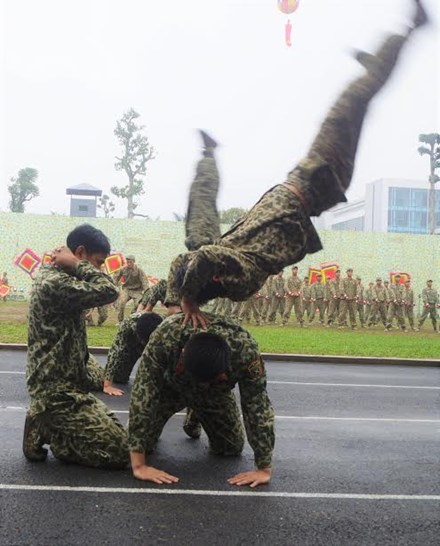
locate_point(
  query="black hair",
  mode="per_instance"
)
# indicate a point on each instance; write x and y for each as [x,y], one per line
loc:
[206,356]
[145,326]
[211,290]
[91,238]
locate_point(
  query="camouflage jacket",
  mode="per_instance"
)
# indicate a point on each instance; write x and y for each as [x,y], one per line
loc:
[160,365]
[126,348]
[379,293]
[293,286]
[349,288]
[275,233]
[335,288]
[157,293]
[430,296]
[57,340]
[317,291]
[408,297]
[133,279]
[278,287]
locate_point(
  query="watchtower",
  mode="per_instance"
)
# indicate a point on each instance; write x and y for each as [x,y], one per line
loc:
[84,206]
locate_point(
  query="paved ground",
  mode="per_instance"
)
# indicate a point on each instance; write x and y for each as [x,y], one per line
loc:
[357,462]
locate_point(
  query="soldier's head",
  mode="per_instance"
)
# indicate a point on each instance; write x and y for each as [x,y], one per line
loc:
[294,271]
[407,283]
[350,272]
[338,273]
[306,279]
[379,281]
[429,283]
[280,274]
[359,280]
[386,283]
[145,326]
[206,357]
[130,259]
[319,277]
[370,284]
[397,278]
[89,243]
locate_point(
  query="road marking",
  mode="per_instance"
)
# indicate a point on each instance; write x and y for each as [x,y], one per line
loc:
[287,417]
[210,493]
[354,385]
[358,385]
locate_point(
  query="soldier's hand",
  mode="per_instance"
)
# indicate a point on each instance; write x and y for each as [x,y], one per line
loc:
[252,478]
[110,390]
[63,257]
[193,314]
[151,474]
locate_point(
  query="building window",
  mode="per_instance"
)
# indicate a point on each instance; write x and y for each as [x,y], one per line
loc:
[83,208]
[409,210]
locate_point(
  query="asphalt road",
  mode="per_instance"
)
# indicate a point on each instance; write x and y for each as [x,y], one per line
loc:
[357,461]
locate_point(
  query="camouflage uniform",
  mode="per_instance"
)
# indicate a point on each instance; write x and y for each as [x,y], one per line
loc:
[153,294]
[202,225]
[162,388]
[334,297]
[125,351]
[236,309]
[278,302]
[133,286]
[277,231]
[317,294]
[348,302]
[379,306]
[430,299]
[396,306]
[408,305]
[360,302]
[306,295]
[368,304]
[102,315]
[79,427]
[293,299]
[267,295]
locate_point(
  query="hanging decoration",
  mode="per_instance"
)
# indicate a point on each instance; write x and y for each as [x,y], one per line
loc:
[288,7]
[328,270]
[47,258]
[403,277]
[114,262]
[28,261]
[313,273]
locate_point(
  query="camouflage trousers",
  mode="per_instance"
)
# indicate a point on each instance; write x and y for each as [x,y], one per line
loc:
[278,306]
[409,314]
[80,429]
[395,310]
[202,219]
[102,315]
[295,303]
[265,308]
[378,311]
[126,295]
[95,374]
[333,310]
[307,308]
[360,311]
[350,307]
[317,305]
[250,307]
[218,415]
[430,311]
[237,306]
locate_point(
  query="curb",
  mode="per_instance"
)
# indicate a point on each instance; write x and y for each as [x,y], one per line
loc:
[294,358]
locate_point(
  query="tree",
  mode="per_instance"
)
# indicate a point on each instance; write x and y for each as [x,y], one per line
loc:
[106,205]
[23,189]
[136,152]
[433,150]
[230,216]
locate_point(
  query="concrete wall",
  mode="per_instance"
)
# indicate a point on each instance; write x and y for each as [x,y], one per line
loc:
[155,244]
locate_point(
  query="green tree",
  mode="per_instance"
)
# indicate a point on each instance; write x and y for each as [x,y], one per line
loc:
[432,149]
[230,216]
[106,205]
[23,189]
[136,152]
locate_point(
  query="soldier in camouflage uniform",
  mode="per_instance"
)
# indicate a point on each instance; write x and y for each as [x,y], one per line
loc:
[317,295]
[430,300]
[360,301]
[237,306]
[277,231]
[293,297]
[409,303]
[306,298]
[251,305]
[368,302]
[152,295]
[389,295]
[267,295]
[396,304]
[278,301]
[202,225]
[379,304]
[348,301]
[134,283]
[79,427]
[102,316]
[334,297]
[173,374]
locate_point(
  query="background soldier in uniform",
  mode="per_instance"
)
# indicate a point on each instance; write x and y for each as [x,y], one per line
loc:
[380,304]
[179,369]
[293,297]
[317,296]
[369,303]
[348,301]
[251,306]
[278,298]
[334,297]
[396,304]
[360,301]
[430,300]
[306,295]
[267,294]
[79,427]
[134,283]
[409,303]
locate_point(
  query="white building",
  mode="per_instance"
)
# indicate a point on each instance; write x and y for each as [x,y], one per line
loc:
[390,205]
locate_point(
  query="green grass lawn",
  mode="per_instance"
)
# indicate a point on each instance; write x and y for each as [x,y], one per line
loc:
[291,339]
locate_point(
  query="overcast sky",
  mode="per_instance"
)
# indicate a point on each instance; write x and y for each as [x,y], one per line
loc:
[71,68]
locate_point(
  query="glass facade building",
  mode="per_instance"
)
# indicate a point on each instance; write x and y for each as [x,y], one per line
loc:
[408,210]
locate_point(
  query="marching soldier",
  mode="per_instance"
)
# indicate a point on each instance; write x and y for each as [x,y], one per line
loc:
[430,299]
[369,303]
[133,283]
[251,306]
[334,297]
[317,296]
[306,297]
[396,304]
[278,302]
[348,301]
[267,294]
[293,297]
[380,303]
[408,303]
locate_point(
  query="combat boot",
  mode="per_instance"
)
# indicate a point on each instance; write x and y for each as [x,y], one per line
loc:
[192,426]
[33,440]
